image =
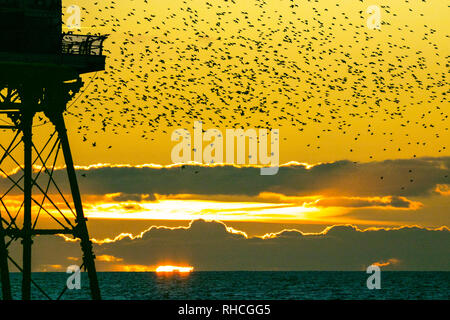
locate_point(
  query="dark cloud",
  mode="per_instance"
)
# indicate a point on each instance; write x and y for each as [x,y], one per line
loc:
[132,207]
[212,246]
[121,197]
[134,197]
[413,177]
[385,202]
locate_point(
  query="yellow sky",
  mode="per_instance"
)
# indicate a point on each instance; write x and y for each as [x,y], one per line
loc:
[371,132]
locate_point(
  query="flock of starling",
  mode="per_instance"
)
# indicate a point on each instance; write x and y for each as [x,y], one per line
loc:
[264,64]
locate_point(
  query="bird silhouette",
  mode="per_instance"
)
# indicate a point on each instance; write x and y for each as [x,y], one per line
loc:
[308,66]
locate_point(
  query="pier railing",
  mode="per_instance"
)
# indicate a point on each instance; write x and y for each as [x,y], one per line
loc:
[76,44]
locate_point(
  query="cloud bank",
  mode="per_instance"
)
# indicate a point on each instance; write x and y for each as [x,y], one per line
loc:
[211,246]
[412,177]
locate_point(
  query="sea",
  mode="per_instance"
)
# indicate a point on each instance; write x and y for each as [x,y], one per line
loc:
[243,285]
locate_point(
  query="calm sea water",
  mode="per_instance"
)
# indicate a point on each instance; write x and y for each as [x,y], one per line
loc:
[248,285]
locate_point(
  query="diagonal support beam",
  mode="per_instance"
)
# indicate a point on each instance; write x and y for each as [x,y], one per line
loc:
[81,230]
[6,284]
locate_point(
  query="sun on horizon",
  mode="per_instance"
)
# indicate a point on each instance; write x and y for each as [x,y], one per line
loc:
[174,269]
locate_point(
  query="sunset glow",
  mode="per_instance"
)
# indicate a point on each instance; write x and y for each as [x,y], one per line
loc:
[288,151]
[199,209]
[171,269]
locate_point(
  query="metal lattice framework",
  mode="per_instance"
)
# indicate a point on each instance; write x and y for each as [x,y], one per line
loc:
[34,177]
[40,70]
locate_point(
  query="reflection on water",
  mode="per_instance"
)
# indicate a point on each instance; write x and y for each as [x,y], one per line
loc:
[247,285]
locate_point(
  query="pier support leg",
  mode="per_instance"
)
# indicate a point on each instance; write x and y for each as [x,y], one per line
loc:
[26,126]
[4,276]
[81,231]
